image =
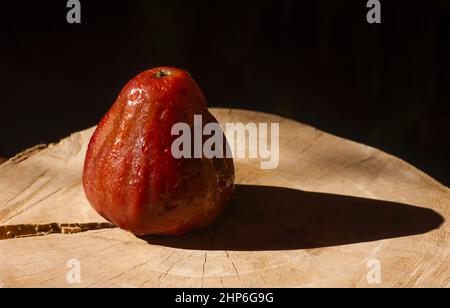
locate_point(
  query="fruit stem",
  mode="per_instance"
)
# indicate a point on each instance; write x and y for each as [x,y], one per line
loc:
[161,74]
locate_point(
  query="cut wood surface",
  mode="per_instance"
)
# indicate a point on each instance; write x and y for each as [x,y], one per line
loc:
[331,215]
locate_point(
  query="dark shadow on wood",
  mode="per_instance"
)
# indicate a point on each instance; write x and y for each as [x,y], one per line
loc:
[273,218]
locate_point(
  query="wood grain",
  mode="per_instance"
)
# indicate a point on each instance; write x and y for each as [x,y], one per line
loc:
[318,220]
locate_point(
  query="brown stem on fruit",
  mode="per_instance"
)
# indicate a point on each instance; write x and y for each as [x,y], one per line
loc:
[161,74]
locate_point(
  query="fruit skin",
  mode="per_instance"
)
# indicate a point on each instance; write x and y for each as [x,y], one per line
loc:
[130,176]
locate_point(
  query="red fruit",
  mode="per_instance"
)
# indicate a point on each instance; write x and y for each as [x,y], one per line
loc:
[130,176]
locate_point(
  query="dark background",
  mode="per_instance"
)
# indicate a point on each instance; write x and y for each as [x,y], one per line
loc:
[318,62]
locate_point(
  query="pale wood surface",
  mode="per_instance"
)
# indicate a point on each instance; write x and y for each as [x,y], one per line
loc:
[331,206]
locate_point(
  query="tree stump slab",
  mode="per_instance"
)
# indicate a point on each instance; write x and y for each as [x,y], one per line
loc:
[334,213]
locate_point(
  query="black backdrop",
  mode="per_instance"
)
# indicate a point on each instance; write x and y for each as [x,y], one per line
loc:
[318,62]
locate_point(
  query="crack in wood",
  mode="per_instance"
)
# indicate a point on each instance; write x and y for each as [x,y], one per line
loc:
[28,153]
[111,279]
[203,268]
[338,170]
[234,266]
[25,188]
[310,144]
[264,280]
[35,274]
[164,274]
[32,230]
[10,208]
[56,157]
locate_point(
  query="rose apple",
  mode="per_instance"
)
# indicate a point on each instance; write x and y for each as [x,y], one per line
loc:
[130,175]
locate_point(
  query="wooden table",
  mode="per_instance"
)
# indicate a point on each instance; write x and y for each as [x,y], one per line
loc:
[334,213]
